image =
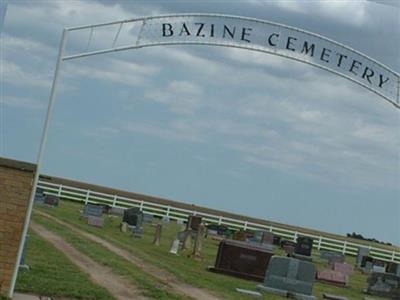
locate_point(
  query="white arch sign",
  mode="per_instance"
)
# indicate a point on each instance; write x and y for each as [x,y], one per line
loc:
[218,30]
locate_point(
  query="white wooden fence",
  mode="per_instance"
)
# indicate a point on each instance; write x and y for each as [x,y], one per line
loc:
[161,210]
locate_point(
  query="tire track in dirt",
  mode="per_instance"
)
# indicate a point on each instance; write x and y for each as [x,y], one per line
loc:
[162,275]
[103,276]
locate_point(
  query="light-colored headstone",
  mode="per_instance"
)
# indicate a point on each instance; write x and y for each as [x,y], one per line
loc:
[179,222]
[95,221]
[198,245]
[249,293]
[378,269]
[174,247]
[165,219]
[157,236]
[124,227]
[287,275]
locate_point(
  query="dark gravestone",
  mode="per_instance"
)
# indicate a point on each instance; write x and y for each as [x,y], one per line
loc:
[384,285]
[287,243]
[362,252]
[133,216]
[277,240]
[289,277]
[304,246]
[95,221]
[193,222]
[242,259]
[93,210]
[393,268]
[51,200]
[263,237]
[332,277]
[366,259]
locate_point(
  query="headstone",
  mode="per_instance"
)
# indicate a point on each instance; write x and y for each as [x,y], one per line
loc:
[304,246]
[333,257]
[368,267]
[241,259]
[344,268]
[95,221]
[198,244]
[133,216]
[212,231]
[365,260]
[263,237]
[137,232]
[39,196]
[124,227]
[393,268]
[157,236]
[148,218]
[287,243]
[362,251]
[174,247]
[378,269]
[51,200]
[333,277]
[193,222]
[186,238]
[277,240]
[384,285]
[165,220]
[333,297]
[289,276]
[249,293]
[179,222]
[93,210]
[117,211]
[239,235]
[289,250]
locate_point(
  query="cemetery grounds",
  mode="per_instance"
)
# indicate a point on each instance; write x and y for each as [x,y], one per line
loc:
[52,274]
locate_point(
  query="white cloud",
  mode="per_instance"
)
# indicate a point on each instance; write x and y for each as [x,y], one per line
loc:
[16,75]
[23,102]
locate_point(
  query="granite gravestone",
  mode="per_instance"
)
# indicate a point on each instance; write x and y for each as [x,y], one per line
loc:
[133,216]
[263,237]
[333,257]
[92,210]
[384,285]
[193,222]
[393,268]
[344,268]
[289,277]
[39,196]
[362,252]
[378,269]
[304,246]
[241,259]
[148,218]
[51,200]
[95,221]
[332,277]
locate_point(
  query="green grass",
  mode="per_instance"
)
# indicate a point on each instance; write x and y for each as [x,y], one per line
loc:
[183,267]
[52,274]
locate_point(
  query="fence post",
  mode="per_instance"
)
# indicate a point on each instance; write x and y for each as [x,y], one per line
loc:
[59,190]
[87,197]
[245,225]
[393,255]
[220,220]
[319,243]
[141,205]
[114,200]
[270,229]
[344,247]
[168,209]
[295,236]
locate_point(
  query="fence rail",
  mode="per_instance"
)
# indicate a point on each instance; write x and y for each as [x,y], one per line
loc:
[176,213]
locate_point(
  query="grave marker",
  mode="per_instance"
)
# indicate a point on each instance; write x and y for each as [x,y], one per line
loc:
[95,221]
[304,246]
[51,200]
[393,268]
[241,259]
[148,218]
[92,210]
[193,222]
[332,277]
[362,251]
[289,276]
[384,285]
[133,216]
[333,257]
[174,247]
[198,244]
[344,268]
[157,236]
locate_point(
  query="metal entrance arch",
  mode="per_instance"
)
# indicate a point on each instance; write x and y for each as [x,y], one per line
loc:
[220,30]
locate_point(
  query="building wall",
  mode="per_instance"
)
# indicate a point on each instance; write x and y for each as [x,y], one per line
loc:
[16,180]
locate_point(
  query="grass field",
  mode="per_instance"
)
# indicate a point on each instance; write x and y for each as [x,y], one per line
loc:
[53,274]
[183,267]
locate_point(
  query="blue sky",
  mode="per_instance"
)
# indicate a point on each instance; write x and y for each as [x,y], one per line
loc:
[230,129]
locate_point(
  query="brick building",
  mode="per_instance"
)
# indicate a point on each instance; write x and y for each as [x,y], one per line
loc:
[16,180]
